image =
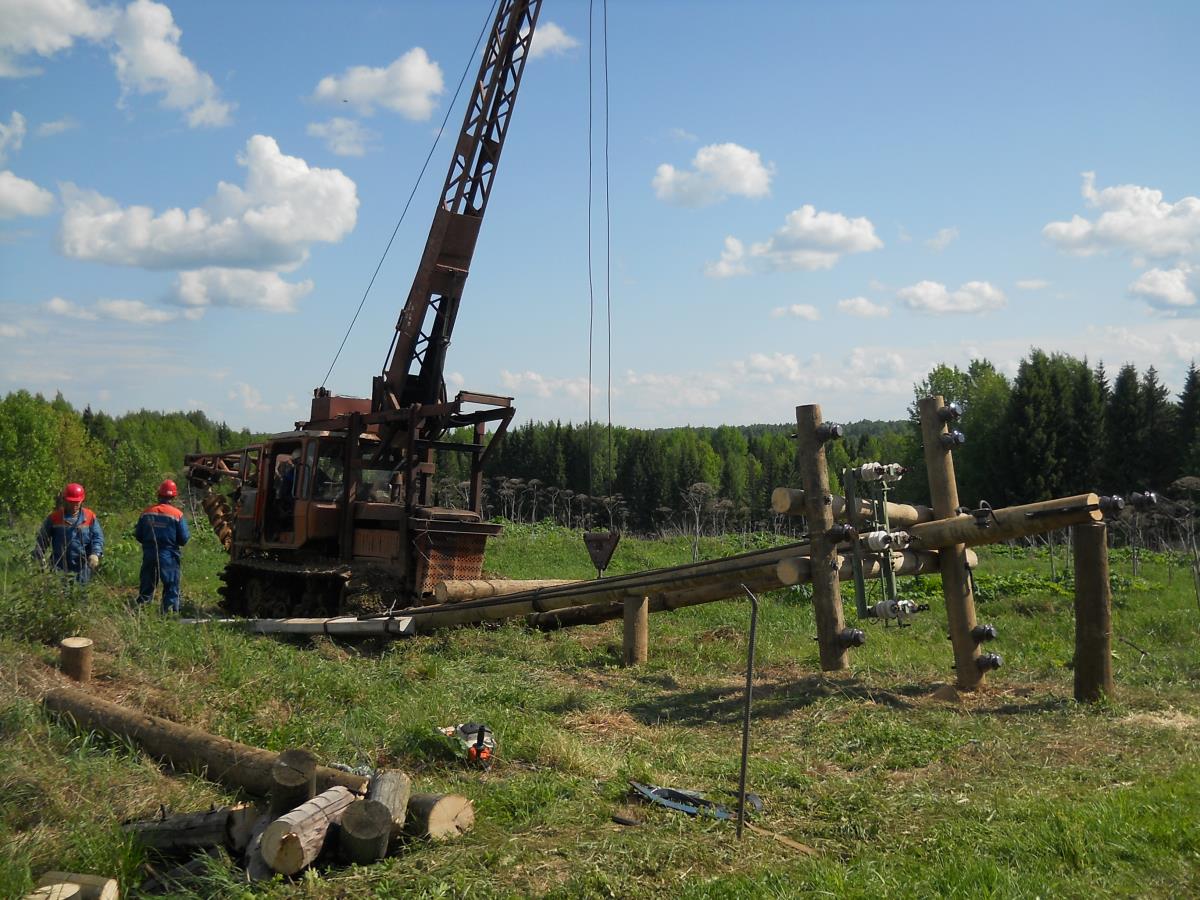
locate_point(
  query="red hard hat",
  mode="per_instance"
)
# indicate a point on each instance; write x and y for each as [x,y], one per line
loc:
[73,492]
[167,489]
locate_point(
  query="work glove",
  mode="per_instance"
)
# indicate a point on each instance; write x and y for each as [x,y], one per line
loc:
[93,562]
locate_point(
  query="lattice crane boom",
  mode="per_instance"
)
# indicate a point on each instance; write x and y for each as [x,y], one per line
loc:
[414,371]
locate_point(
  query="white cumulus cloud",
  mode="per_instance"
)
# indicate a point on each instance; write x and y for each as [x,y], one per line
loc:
[809,240]
[143,42]
[545,386]
[1131,218]
[733,261]
[1170,291]
[21,197]
[343,137]
[149,60]
[12,135]
[550,40]
[933,297]
[797,310]
[243,288]
[718,171]
[250,397]
[45,27]
[409,86]
[269,223]
[862,308]
[943,239]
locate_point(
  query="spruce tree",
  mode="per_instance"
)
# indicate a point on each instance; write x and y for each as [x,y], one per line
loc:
[1122,467]
[1187,424]
[1157,446]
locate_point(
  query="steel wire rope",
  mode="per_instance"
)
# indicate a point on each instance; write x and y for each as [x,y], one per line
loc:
[591,287]
[436,140]
[608,253]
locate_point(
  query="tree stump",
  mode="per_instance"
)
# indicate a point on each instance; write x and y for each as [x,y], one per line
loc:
[364,832]
[75,655]
[293,781]
[293,841]
[439,817]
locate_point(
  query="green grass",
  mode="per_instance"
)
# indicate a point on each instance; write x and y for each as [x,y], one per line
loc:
[1016,792]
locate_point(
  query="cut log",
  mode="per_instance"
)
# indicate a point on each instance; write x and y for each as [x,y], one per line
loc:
[190,831]
[790,502]
[293,841]
[798,570]
[439,817]
[293,781]
[1007,523]
[91,887]
[63,891]
[338,626]
[364,832]
[476,589]
[392,788]
[216,758]
[75,656]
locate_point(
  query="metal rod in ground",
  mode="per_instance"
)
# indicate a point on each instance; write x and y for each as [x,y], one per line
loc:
[746,717]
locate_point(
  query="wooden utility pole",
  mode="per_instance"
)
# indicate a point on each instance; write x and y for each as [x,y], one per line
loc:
[219,759]
[1093,614]
[952,559]
[818,508]
[636,649]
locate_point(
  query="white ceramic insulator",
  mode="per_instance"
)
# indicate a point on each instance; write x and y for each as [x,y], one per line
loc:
[877,541]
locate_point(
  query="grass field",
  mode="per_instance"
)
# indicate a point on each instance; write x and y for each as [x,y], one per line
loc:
[1015,792]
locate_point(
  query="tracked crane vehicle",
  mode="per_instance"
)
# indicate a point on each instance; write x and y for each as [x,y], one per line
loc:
[338,515]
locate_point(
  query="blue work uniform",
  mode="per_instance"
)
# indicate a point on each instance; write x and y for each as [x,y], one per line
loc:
[162,531]
[70,540]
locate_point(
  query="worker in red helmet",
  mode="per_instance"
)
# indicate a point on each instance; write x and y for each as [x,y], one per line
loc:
[70,538]
[162,531]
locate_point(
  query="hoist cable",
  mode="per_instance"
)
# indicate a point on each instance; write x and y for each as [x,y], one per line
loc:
[437,138]
[608,253]
[591,289]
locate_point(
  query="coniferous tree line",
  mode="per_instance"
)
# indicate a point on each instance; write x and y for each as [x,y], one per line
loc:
[1059,427]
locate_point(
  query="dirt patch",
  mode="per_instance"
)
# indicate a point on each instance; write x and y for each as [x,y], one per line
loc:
[1174,719]
[601,722]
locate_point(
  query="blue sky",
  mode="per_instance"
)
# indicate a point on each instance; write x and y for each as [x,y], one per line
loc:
[809,202]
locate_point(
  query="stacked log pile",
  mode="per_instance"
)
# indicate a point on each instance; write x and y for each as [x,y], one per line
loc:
[312,813]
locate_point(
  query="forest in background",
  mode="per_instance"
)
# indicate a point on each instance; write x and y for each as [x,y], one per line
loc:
[1060,427]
